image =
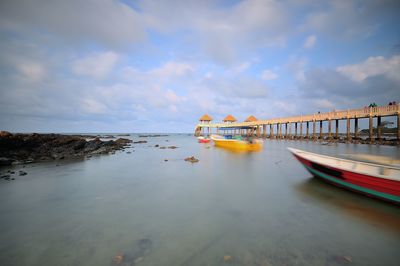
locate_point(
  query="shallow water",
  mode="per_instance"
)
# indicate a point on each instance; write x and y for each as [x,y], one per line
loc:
[259,208]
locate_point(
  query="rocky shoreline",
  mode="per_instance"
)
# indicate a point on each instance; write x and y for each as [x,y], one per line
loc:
[28,148]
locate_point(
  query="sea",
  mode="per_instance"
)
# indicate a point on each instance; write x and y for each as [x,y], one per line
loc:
[148,206]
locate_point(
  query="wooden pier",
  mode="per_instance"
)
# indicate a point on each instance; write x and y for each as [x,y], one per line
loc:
[298,127]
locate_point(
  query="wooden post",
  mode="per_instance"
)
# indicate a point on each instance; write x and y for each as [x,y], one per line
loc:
[290,130]
[295,130]
[308,130]
[280,130]
[320,129]
[271,131]
[337,129]
[371,128]
[314,129]
[356,128]
[258,131]
[264,131]
[348,128]
[330,129]
[301,130]
[285,130]
[379,128]
[398,127]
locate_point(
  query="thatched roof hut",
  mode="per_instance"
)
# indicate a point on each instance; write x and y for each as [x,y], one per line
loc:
[229,118]
[250,119]
[205,118]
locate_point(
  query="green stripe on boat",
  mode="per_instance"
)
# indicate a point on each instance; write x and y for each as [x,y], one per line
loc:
[355,187]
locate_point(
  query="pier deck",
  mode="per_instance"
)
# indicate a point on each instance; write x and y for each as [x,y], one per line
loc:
[260,126]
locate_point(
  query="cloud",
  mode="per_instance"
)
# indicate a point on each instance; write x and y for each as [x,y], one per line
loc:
[352,86]
[93,107]
[110,23]
[97,65]
[350,19]
[269,75]
[223,32]
[372,67]
[297,66]
[310,42]
[31,71]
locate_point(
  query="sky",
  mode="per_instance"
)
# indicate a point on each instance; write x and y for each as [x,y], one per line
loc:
[158,66]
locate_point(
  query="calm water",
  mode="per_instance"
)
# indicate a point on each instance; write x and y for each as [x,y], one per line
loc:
[259,208]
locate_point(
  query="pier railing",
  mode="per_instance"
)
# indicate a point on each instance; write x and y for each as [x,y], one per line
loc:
[389,110]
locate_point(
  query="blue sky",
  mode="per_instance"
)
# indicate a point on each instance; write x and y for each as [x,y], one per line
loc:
[157,66]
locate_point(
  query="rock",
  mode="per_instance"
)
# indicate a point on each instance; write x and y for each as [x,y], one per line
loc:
[118,259]
[5,176]
[227,258]
[29,148]
[165,160]
[5,161]
[162,147]
[13,178]
[128,152]
[172,147]
[140,142]
[156,145]
[22,173]
[192,159]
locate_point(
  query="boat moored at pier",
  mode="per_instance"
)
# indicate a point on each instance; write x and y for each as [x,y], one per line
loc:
[376,180]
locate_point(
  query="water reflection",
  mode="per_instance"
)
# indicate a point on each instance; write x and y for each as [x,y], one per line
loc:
[353,205]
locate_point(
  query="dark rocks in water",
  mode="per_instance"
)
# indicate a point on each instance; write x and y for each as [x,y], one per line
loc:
[163,147]
[140,142]
[27,148]
[156,145]
[165,160]
[128,152]
[5,176]
[152,136]
[5,161]
[22,173]
[172,147]
[192,159]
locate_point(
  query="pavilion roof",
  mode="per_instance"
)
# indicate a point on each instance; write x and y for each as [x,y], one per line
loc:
[229,118]
[205,117]
[250,119]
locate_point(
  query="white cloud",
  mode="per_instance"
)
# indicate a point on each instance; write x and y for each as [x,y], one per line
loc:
[269,75]
[297,65]
[372,67]
[171,69]
[93,107]
[31,71]
[107,22]
[310,42]
[97,65]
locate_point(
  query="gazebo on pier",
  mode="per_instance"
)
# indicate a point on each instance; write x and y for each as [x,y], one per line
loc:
[205,119]
[251,118]
[229,119]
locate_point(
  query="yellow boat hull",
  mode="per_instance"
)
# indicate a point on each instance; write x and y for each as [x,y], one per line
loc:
[238,144]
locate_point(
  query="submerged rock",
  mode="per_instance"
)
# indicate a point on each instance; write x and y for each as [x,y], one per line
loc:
[192,159]
[135,254]
[22,173]
[140,142]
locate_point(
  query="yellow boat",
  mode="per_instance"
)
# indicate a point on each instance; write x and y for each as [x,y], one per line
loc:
[237,143]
